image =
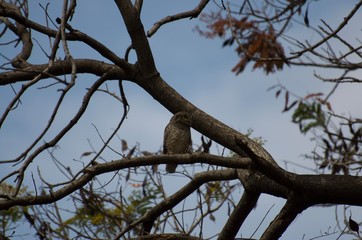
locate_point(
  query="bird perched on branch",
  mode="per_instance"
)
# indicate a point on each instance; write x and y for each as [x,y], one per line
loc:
[177,137]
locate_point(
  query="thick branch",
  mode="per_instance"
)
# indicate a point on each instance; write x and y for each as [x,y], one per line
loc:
[139,40]
[61,68]
[282,221]
[194,13]
[239,214]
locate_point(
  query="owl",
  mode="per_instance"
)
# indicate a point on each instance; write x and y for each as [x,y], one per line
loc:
[177,137]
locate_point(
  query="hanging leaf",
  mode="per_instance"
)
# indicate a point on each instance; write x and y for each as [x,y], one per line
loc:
[286,100]
[290,106]
[128,174]
[278,93]
[212,217]
[306,19]
[86,154]
[353,225]
[144,185]
[146,153]
[124,145]
[206,145]
[130,153]
[228,42]
[324,164]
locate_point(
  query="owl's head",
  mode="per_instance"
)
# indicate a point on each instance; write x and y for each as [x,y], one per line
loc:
[183,118]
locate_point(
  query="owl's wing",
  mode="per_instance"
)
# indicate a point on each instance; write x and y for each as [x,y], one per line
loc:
[165,138]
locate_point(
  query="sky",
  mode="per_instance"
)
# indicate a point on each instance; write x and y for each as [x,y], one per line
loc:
[199,69]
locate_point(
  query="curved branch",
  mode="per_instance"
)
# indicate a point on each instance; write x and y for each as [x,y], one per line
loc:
[24,35]
[194,13]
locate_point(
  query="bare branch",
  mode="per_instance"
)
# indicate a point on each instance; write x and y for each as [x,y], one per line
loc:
[189,14]
[339,28]
[73,36]
[60,68]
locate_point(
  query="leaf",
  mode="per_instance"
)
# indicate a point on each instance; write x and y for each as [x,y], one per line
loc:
[146,153]
[326,143]
[124,145]
[86,154]
[144,185]
[313,95]
[306,20]
[212,217]
[324,164]
[353,225]
[329,106]
[130,153]
[228,42]
[286,100]
[206,145]
[278,93]
[128,174]
[290,106]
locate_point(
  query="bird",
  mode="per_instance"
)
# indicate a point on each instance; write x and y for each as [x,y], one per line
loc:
[177,137]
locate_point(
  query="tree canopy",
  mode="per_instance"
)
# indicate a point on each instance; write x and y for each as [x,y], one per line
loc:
[118,190]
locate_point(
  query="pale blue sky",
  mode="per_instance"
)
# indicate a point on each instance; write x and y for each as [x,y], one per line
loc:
[200,70]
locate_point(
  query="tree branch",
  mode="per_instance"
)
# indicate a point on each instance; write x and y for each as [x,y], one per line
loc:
[100,168]
[61,68]
[282,221]
[240,213]
[332,34]
[188,14]
[75,35]
[139,40]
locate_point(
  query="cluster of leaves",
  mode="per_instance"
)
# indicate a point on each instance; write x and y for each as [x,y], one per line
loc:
[339,150]
[308,114]
[95,213]
[107,216]
[253,43]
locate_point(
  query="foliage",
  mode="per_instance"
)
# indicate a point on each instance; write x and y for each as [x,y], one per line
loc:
[253,44]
